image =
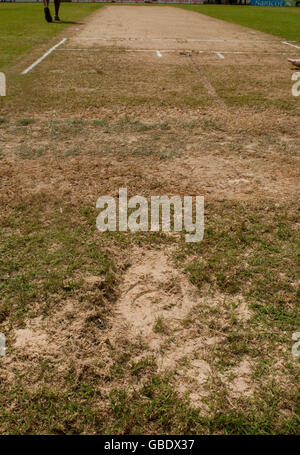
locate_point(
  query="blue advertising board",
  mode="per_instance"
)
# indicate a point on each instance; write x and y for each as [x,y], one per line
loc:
[267,2]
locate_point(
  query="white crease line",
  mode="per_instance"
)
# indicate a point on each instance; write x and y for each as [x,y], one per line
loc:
[152,50]
[66,49]
[290,44]
[203,52]
[43,56]
[175,39]
[158,54]
[127,50]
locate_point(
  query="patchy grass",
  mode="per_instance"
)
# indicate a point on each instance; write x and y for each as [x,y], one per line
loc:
[141,332]
[252,251]
[25,121]
[156,409]
[159,404]
[249,252]
[45,256]
[111,86]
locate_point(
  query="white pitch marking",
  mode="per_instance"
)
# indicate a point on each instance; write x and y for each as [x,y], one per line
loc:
[95,49]
[152,50]
[127,50]
[176,39]
[220,55]
[158,54]
[43,56]
[290,44]
[205,52]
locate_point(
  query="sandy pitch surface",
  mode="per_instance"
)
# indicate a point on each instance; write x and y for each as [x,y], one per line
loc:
[169,28]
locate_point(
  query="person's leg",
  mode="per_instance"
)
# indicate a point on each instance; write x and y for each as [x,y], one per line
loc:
[48,16]
[56,6]
[294,62]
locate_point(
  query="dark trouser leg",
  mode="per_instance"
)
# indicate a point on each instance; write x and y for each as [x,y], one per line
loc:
[56,6]
[47,11]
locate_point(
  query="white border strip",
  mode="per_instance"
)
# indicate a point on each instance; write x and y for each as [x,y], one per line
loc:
[77,38]
[44,56]
[179,51]
[290,44]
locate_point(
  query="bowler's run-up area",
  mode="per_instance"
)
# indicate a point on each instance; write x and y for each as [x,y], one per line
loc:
[124,332]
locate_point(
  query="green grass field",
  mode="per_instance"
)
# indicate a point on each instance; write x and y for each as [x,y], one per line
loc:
[282,22]
[22,27]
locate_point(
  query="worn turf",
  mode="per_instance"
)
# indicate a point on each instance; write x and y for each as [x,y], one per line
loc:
[124,332]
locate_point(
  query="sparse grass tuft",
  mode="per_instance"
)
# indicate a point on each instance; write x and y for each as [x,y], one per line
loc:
[25,121]
[160,326]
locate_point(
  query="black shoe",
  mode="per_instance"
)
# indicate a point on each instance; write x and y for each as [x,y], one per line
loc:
[57,18]
[48,16]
